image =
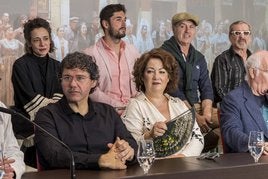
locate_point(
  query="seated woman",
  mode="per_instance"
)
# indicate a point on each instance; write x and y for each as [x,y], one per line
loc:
[156,74]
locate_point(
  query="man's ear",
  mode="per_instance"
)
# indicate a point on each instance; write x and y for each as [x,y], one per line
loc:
[252,73]
[105,24]
[94,84]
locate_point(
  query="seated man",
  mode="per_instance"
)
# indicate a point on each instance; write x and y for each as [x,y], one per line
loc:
[245,108]
[228,70]
[13,164]
[93,131]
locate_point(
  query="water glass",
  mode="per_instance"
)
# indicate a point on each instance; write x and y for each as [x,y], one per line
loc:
[256,144]
[146,154]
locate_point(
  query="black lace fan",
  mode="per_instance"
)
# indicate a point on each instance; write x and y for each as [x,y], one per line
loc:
[178,133]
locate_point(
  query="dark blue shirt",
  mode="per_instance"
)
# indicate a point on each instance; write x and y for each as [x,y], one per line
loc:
[201,84]
[194,81]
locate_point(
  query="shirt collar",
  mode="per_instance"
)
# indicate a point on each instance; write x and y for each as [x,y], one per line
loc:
[105,45]
[142,96]
[68,110]
[233,53]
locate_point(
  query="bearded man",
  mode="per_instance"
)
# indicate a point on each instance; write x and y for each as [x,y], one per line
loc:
[115,59]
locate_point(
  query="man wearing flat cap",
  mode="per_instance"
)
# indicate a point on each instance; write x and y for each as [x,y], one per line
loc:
[194,84]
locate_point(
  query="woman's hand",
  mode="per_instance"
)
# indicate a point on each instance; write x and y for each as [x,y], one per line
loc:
[158,129]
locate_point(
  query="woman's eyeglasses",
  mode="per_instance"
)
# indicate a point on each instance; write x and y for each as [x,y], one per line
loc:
[238,33]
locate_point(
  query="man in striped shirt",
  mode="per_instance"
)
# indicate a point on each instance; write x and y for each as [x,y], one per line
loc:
[228,70]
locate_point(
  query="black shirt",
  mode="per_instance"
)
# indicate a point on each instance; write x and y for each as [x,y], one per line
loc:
[228,72]
[87,136]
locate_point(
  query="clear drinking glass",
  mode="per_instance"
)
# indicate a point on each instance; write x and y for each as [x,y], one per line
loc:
[256,144]
[146,154]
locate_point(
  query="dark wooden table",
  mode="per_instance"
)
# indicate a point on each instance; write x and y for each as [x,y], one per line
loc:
[227,166]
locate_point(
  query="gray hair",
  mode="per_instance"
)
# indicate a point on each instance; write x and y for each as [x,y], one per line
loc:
[253,61]
[236,23]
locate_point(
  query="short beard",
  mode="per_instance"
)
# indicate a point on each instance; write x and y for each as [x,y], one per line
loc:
[116,35]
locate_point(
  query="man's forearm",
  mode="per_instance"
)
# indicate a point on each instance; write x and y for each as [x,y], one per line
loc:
[207,107]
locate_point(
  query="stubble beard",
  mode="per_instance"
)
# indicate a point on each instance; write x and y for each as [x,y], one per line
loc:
[116,35]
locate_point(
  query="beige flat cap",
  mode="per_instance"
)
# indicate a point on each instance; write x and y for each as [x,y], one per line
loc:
[185,16]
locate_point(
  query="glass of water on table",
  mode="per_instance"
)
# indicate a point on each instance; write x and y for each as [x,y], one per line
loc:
[146,154]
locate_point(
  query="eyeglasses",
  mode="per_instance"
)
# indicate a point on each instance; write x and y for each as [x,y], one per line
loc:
[78,79]
[238,33]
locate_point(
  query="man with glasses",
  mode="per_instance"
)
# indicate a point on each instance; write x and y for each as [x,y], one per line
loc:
[93,131]
[228,70]
[245,108]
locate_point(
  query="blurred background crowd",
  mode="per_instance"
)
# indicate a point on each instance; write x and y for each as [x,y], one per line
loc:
[76,26]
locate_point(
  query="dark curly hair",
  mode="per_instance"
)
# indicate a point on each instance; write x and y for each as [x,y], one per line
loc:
[29,26]
[169,64]
[83,62]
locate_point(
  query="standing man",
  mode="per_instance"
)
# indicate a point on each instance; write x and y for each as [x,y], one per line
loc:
[115,59]
[228,70]
[94,131]
[194,84]
[245,108]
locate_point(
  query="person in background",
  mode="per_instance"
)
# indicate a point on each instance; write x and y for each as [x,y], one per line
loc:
[115,59]
[94,131]
[220,38]
[130,37]
[19,30]
[169,31]
[13,164]
[245,108]
[144,38]
[194,85]
[204,44]
[71,34]
[159,35]
[5,24]
[35,81]
[156,74]
[10,50]
[83,37]
[61,44]
[94,28]
[228,69]
[258,42]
